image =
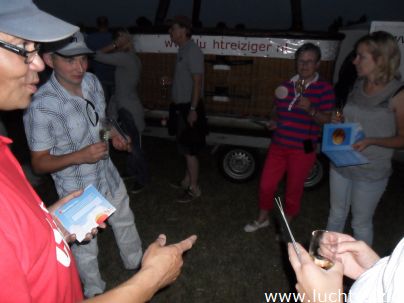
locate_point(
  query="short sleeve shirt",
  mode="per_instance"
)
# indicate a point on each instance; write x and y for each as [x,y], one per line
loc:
[294,125]
[36,263]
[189,62]
[61,123]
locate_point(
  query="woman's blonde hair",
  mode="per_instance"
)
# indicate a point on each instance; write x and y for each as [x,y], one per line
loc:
[385,52]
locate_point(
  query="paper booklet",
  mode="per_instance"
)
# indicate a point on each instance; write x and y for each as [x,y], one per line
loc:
[85,212]
[337,143]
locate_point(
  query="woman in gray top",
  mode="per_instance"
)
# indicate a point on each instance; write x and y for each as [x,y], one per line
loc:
[121,54]
[125,102]
[377,104]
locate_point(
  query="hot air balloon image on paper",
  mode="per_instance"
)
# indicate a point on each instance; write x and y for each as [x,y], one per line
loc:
[338,136]
[101,217]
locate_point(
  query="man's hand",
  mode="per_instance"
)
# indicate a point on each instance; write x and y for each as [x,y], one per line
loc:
[94,152]
[192,117]
[120,143]
[313,282]
[68,236]
[165,262]
[304,103]
[161,265]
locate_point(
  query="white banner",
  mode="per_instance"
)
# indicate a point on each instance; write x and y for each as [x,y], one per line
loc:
[397,30]
[237,46]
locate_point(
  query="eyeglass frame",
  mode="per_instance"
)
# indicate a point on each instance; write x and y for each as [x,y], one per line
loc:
[21,51]
[97,117]
[306,62]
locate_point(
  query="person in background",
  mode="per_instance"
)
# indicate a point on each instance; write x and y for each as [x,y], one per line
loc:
[125,102]
[302,105]
[376,279]
[187,94]
[95,41]
[376,102]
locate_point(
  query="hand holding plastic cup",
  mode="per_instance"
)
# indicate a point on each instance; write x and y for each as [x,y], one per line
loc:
[105,133]
[323,245]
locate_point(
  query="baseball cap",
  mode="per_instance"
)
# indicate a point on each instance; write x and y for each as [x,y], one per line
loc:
[182,21]
[76,46]
[23,19]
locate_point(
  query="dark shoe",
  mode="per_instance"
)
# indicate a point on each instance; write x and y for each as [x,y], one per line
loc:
[127,177]
[189,195]
[179,185]
[282,235]
[136,188]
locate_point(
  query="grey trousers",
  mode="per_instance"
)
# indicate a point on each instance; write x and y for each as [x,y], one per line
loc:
[359,197]
[127,239]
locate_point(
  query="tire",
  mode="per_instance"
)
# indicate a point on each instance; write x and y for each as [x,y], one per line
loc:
[317,174]
[238,164]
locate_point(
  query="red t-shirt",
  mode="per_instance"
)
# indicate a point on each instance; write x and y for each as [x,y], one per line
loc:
[36,264]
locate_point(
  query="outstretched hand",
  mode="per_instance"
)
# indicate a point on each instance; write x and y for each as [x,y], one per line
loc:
[166,261]
[161,265]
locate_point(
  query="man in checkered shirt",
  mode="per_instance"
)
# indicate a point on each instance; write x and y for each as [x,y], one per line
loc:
[62,127]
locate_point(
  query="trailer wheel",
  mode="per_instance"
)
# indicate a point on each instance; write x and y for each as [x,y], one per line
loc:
[317,174]
[238,164]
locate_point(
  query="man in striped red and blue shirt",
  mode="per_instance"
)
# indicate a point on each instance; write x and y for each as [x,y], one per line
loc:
[302,105]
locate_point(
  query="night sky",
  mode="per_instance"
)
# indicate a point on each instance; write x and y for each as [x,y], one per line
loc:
[262,14]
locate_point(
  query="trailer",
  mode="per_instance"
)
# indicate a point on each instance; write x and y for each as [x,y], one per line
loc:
[242,70]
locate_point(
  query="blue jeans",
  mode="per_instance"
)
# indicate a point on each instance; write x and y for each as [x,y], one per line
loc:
[361,197]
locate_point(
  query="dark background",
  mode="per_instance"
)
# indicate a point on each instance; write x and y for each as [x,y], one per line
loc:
[258,14]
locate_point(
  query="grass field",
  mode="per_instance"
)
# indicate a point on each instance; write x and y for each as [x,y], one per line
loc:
[226,264]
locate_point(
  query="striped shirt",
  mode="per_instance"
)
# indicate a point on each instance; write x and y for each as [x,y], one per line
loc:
[296,125]
[59,122]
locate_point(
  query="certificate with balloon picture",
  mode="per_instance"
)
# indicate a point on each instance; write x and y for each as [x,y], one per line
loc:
[83,213]
[337,143]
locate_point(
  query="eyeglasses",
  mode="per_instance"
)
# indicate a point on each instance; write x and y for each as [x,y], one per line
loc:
[91,113]
[306,62]
[28,55]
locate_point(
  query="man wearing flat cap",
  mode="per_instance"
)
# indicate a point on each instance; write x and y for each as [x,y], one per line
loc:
[187,93]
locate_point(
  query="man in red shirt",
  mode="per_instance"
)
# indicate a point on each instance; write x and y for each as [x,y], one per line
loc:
[36,261]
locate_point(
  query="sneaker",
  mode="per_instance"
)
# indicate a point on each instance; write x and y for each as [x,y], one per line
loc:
[179,185]
[136,188]
[189,195]
[249,228]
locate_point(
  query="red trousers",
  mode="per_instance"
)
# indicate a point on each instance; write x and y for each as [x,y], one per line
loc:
[297,165]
